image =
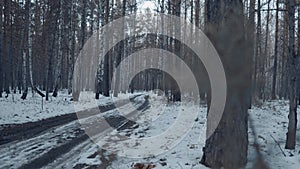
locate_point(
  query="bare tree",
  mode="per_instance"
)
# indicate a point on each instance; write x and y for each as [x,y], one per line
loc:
[106,57]
[251,42]
[1,41]
[120,53]
[275,53]
[292,76]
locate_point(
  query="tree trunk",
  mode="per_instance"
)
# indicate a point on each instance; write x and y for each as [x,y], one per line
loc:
[106,58]
[227,146]
[51,39]
[58,71]
[265,55]
[292,76]
[6,53]
[1,41]
[27,51]
[197,13]
[298,59]
[250,49]
[259,57]
[275,53]
[72,44]
[120,54]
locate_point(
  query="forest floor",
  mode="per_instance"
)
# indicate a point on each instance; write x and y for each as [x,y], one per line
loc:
[53,137]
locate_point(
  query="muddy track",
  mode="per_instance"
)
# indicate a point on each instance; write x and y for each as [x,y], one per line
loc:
[117,122]
[14,132]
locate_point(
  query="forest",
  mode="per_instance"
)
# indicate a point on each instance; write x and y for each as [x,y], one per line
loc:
[258,42]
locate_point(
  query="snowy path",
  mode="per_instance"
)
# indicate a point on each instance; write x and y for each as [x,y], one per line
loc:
[52,143]
[66,145]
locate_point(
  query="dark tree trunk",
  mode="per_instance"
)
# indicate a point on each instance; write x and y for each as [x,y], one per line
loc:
[275,53]
[106,57]
[259,55]
[120,54]
[197,13]
[52,21]
[72,34]
[26,51]
[292,76]
[251,41]
[227,146]
[6,53]
[298,59]
[1,41]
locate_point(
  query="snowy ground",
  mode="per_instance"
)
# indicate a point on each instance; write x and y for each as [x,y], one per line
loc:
[14,110]
[270,121]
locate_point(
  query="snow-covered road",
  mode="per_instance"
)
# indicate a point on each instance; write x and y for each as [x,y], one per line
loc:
[56,141]
[66,145]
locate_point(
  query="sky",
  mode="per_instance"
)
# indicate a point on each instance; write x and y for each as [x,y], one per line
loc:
[147,4]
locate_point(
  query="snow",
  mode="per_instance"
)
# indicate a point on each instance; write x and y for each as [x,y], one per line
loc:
[14,110]
[270,121]
[157,120]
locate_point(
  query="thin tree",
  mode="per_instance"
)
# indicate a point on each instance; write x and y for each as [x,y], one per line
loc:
[120,53]
[251,47]
[298,60]
[106,57]
[275,53]
[1,25]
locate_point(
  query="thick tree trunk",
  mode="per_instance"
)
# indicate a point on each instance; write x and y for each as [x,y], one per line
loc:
[292,74]
[227,146]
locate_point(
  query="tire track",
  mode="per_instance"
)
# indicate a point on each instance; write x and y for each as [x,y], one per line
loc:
[118,122]
[10,133]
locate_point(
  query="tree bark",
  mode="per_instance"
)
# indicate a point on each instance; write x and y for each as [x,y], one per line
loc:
[275,53]
[27,50]
[250,49]
[1,41]
[298,58]
[227,146]
[106,57]
[259,57]
[292,76]
[120,54]
[60,49]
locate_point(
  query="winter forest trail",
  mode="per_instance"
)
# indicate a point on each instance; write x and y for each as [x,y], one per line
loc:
[53,140]
[12,132]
